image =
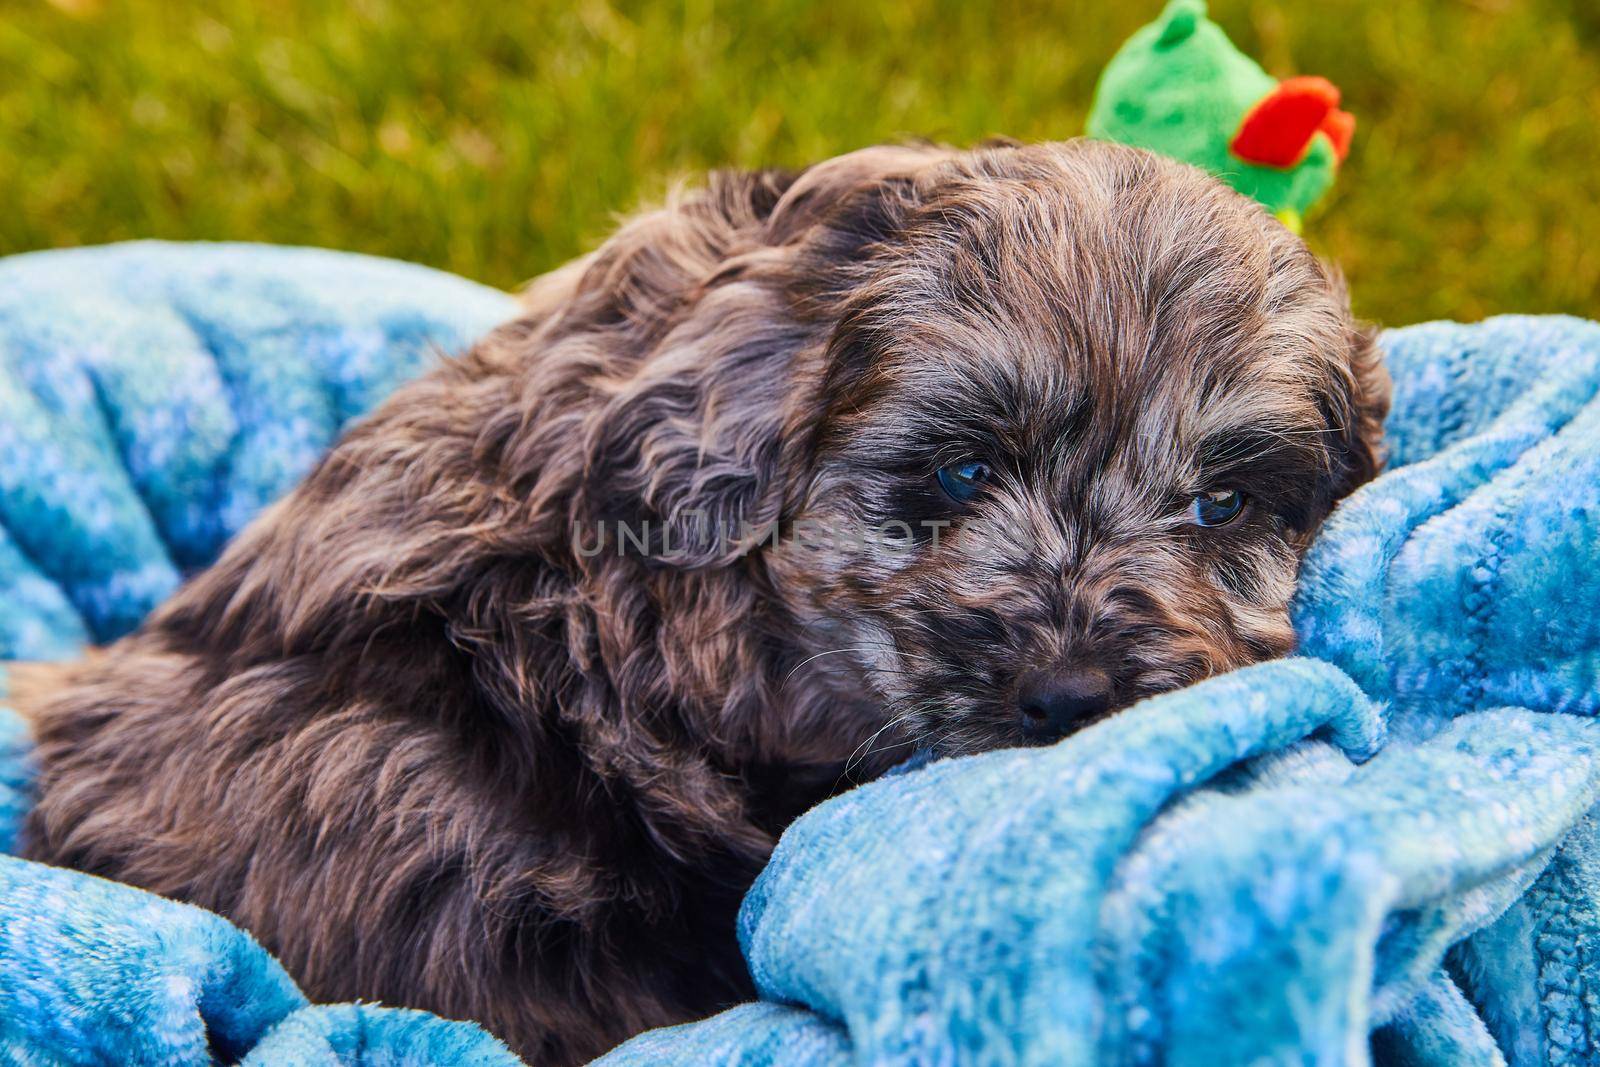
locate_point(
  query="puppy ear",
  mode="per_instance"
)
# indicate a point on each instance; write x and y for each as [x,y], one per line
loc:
[693,459]
[1366,391]
[690,460]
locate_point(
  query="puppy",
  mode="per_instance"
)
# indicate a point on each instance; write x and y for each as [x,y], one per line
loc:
[499,713]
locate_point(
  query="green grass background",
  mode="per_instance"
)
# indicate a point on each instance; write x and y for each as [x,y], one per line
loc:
[498,139]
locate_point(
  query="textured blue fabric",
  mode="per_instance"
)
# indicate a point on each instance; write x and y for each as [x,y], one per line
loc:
[152,399]
[1378,851]
[93,972]
[1382,847]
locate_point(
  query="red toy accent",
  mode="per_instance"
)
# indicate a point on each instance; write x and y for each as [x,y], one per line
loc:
[1277,132]
[1340,126]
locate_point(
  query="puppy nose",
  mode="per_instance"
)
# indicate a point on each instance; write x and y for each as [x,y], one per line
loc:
[1053,702]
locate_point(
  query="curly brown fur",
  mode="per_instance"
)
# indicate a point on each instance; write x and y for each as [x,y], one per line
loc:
[431,750]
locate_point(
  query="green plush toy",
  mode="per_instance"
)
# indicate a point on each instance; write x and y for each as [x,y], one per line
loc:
[1180,87]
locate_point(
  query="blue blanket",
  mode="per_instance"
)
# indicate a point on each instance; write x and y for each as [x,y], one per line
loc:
[1381,848]
[152,399]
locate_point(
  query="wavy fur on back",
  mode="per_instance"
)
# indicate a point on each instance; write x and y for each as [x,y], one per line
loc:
[430,750]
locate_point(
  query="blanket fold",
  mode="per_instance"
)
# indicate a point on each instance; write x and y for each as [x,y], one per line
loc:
[154,397]
[1381,850]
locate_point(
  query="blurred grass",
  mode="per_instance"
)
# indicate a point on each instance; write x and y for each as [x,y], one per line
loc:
[497,140]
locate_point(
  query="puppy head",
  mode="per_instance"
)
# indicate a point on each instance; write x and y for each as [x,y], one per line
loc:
[1067,418]
[1088,408]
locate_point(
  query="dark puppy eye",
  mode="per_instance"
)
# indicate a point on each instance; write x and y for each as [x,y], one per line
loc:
[1217,509]
[961,481]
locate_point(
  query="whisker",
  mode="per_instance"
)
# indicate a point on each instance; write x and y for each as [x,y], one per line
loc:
[859,648]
